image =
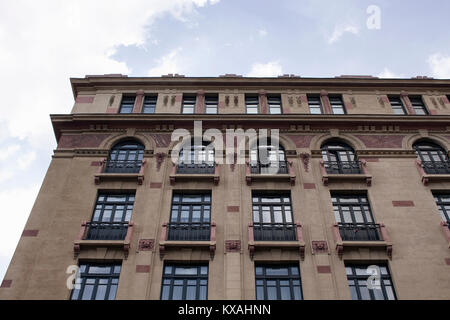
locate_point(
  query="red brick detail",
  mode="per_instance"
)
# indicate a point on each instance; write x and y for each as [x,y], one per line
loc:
[96,163]
[348,105]
[162,140]
[112,110]
[178,98]
[30,233]
[233,209]
[309,186]
[323,269]
[6,284]
[447,261]
[233,245]
[371,159]
[84,99]
[142,268]
[155,185]
[146,244]
[304,99]
[221,104]
[319,247]
[81,140]
[301,141]
[381,141]
[403,203]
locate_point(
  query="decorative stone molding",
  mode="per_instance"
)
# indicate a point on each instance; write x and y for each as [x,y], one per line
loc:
[232,245]
[159,160]
[146,244]
[305,157]
[319,247]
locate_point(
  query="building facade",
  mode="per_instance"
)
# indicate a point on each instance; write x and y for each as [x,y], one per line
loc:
[351,200]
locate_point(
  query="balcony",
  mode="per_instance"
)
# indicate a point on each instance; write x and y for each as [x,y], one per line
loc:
[275,235]
[120,170]
[188,235]
[281,170]
[345,171]
[195,171]
[104,234]
[433,171]
[361,235]
[446,230]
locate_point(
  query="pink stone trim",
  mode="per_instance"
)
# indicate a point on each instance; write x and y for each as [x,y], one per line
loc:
[30,233]
[84,99]
[142,268]
[6,283]
[403,203]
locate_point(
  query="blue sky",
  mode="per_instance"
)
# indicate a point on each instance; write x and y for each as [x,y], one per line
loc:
[43,43]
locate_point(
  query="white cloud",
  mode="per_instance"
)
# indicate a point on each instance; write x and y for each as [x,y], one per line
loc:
[167,64]
[339,31]
[439,65]
[386,73]
[270,69]
[9,151]
[262,33]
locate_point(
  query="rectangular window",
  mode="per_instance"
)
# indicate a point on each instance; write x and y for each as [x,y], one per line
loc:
[188,106]
[397,105]
[278,282]
[272,217]
[443,204]
[354,218]
[337,105]
[418,105]
[252,104]
[149,105]
[185,282]
[211,103]
[314,103]
[190,217]
[111,216]
[97,282]
[127,104]
[274,102]
[362,288]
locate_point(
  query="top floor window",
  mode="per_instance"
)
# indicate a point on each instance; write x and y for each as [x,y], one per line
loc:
[188,106]
[340,158]
[433,157]
[418,105]
[125,157]
[149,105]
[127,104]
[251,104]
[274,102]
[211,103]
[397,105]
[337,105]
[315,106]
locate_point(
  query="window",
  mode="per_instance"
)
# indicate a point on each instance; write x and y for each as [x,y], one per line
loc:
[251,104]
[354,218]
[274,102]
[211,103]
[125,157]
[185,282]
[196,159]
[188,103]
[127,104]
[397,105]
[98,282]
[268,158]
[357,277]
[190,217]
[272,217]
[337,105]
[443,204]
[149,105]
[111,216]
[315,106]
[433,157]
[340,158]
[278,282]
[418,105]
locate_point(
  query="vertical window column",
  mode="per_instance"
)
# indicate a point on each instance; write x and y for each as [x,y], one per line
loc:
[325,102]
[263,101]
[138,102]
[200,102]
[404,96]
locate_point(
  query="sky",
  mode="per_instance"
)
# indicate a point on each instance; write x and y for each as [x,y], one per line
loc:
[44,43]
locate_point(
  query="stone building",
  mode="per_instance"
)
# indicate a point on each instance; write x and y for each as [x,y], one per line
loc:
[357,185]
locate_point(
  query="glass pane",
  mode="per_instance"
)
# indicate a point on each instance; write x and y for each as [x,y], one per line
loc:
[271,293]
[353,293]
[186,270]
[177,293]
[297,293]
[390,293]
[259,293]
[285,293]
[87,293]
[203,291]
[101,292]
[273,271]
[191,292]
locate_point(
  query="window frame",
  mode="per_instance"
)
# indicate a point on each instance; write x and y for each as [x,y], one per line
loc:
[341,103]
[212,102]
[172,277]
[417,103]
[396,103]
[127,104]
[188,100]
[146,104]
[276,105]
[252,102]
[442,204]
[314,100]
[265,278]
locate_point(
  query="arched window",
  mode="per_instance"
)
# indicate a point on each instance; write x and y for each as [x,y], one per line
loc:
[340,158]
[196,159]
[267,157]
[125,157]
[433,157]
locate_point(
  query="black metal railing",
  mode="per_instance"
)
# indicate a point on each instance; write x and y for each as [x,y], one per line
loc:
[274,232]
[280,167]
[360,231]
[179,231]
[343,167]
[196,168]
[106,230]
[438,167]
[123,166]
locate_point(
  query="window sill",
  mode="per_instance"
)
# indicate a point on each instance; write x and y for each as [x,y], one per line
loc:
[430,178]
[99,177]
[336,178]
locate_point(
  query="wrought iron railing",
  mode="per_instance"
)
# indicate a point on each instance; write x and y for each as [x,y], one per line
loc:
[438,167]
[280,167]
[360,231]
[180,231]
[274,232]
[196,168]
[123,166]
[343,167]
[106,230]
